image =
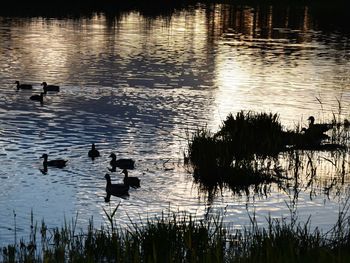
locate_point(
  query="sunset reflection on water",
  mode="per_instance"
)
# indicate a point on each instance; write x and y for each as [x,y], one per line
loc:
[138,86]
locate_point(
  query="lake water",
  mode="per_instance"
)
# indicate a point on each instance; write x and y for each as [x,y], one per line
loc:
[136,85]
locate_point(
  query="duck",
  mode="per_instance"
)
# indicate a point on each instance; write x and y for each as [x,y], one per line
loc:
[23,86]
[49,87]
[59,163]
[93,153]
[319,127]
[116,189]
[131,181]
[312,138]
[38,97]
[314,135]
[122,163]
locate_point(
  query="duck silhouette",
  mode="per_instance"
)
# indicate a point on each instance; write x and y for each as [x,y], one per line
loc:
[23,86]
[314,135]
[318,127]
[47,88]
[93,153]
[59,163]
[39,98]
[118,190]
[121,163]
[131,181]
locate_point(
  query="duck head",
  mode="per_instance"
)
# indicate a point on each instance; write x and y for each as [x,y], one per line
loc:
[44,84]
[311,119]
[113,156]
[107,177]
[44,156]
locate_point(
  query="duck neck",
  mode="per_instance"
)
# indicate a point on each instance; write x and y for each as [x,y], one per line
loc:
[125,174]
[109,183]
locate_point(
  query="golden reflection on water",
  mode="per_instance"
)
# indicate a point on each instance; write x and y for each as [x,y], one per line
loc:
[140,83]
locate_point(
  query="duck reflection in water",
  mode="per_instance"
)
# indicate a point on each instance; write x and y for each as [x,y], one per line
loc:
[44,170]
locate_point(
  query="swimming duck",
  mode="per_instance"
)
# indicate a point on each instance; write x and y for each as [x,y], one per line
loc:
[121,163]
[93,153]
[319,127]
[23,86]
[131,181]
[312,138]
[38,97]
[116,189]
[59,163]
[49,87]
[314,135]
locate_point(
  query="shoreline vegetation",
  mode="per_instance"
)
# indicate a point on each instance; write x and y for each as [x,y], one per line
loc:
[180,237]
[249,147]
[152,7]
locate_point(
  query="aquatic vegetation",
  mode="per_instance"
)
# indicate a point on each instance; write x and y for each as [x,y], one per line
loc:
[181,237]
[247,148]
[248,134]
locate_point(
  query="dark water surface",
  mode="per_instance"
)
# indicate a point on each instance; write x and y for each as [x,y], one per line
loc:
[137,85]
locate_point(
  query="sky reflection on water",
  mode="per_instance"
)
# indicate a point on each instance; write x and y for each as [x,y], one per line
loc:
[136,86]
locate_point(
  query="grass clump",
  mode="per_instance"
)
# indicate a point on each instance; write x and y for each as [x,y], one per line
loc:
[248,134]
[243,152]
[246,149]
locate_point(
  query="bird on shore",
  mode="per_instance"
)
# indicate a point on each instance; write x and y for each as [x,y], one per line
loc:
[131,181]
[93,153]
[23,86]
[121,163]
[59,163]
[118,190]
[39,98]
[49,87]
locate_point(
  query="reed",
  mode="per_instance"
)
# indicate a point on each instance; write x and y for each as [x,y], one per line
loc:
[240,154]
[181,237]
[249,134]
[246,149]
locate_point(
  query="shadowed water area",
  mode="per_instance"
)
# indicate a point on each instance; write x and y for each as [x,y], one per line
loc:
[137,84]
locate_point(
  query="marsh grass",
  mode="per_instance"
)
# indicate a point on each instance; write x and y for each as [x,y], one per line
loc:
[181,237]
[248,147]
[242,153]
